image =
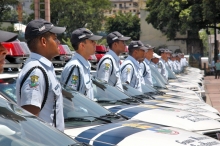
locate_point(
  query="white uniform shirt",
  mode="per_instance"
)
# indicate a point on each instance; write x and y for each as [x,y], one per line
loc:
[33,90]
[169,64]
[109,70]
[80,78]
[178,66]
[131,73]
[147,73]
[162,68]
[174,67]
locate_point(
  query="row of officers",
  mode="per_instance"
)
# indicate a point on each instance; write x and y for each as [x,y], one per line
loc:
[38,90]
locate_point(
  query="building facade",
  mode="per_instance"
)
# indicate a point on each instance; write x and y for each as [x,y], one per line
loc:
[125,6]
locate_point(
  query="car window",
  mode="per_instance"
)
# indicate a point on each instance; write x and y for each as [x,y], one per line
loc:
[19,130]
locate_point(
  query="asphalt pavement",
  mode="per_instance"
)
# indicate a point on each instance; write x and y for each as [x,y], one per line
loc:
[212,91]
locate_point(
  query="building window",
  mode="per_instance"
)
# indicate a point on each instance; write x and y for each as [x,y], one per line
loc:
[130,4]
[110,12]
[113,11]
[135,4]
[120,5]
[134,10]
[115,5]
[130,10]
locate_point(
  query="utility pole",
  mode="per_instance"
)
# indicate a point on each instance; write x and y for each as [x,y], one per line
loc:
[216,46]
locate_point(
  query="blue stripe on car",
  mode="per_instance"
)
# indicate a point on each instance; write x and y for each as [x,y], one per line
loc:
[117,135]
[90,133]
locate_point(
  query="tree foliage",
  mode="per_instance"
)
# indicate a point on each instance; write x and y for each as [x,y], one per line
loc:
[79,13]
[172,16]
[127,24]
[6,9]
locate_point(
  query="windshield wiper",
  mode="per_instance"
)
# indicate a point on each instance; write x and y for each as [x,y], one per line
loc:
[84,119]
[112,101]
[133,100]
[79,144]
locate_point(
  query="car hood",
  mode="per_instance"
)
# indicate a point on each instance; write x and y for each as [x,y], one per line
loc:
[133,132]
[185,107]
[178,96]
[193,103]
[167,116]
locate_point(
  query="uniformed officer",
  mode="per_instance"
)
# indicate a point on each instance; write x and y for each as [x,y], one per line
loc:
[155,60]
[76,73]
[146,71]
[161,63]
[37,88]
[173,64]
[5,37]
[108,68]
[130,68]
[177,62]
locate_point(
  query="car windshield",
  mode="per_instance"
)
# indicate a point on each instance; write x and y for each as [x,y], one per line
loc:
[156,81]
[171,75]
[103,91]
[155,72]
[79,111]
[147,88]
[20,128]
[8,88]
[131,91]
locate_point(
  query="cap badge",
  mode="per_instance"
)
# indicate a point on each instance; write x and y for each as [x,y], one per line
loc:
[42,28]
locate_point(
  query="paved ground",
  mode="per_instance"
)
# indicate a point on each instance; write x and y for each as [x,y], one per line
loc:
[212,91]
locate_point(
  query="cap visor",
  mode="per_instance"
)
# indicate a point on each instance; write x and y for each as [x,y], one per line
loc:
[144,48]
[95,38]
[57,30]
[7,36]
[124,38]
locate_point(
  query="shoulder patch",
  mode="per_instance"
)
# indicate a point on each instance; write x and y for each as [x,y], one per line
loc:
[74,79]
[128,70]
[34,81]
[107,66]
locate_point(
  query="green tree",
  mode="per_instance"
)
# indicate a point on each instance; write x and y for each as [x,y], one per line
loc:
[127,24]
[172,16]
[6,6]
[74,14]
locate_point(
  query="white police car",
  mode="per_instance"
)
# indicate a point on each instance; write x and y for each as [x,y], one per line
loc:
[20,128]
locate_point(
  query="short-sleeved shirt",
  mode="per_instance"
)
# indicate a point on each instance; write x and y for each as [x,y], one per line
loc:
[162,68]
[147,73]
[131,72]
[169,64]
[178,66]
[108,69]
[173,66]
[80,79]
[33,90]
